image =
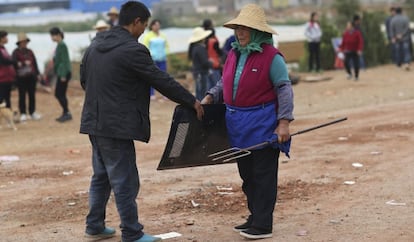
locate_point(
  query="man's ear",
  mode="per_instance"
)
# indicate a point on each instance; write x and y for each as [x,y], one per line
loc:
[137,20]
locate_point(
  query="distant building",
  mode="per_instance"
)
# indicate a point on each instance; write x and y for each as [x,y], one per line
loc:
[27,5]
[174,7]
[265,4]
[102,5]
[214,6]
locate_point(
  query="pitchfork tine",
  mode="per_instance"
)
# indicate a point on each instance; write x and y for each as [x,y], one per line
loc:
[235,152]
[223,151]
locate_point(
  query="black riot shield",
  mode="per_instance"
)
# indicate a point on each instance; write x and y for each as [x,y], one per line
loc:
[191,141]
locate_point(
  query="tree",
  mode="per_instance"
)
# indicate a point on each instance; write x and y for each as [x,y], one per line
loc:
[375,51]
[345,11]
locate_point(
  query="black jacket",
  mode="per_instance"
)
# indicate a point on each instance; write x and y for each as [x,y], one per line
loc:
[117,73]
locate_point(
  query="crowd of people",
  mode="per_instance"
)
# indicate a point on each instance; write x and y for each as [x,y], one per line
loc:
[119,76]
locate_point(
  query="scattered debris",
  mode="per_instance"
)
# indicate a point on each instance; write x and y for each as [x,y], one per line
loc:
[376,152]
[225,193]
[342,138]
[74,151]
[334,221]
[67,173]
[220,188]
[302,233]
[81,192]
[349,182]
[189,222]
[194,204]
[8,158]
[71,203]
[357,165]
[224,190]
[169,235]
[394,203]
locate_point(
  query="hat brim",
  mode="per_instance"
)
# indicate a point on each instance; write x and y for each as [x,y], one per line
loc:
[195,39]
[232,24]
[18,42]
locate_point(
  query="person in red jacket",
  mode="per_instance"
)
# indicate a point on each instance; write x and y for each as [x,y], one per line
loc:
[352,46]
[7,71]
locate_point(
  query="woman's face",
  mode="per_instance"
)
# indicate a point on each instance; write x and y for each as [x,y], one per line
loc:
[243,35]
[4,40]
[23,44]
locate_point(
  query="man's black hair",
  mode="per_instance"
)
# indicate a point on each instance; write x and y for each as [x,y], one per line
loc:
[56,31]
[398,10]
[132,10]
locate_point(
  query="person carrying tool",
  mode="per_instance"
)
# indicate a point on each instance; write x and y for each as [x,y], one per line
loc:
[259,107]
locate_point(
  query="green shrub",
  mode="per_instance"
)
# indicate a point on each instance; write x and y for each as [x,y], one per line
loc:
[376,51]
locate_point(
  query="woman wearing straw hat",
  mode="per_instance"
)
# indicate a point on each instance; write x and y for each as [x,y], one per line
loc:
[197,53]
[27,76]
[256,89]
[113,15]
[101,26]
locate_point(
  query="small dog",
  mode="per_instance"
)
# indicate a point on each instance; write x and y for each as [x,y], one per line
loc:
[7,115]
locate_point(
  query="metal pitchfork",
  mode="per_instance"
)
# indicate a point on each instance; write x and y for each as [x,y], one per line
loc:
[235,152]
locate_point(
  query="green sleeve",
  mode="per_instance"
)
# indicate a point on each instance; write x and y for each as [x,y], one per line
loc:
[278,71]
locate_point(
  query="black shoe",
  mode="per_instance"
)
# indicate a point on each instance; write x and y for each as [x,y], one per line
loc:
[255,233]
[242,227]
[65,117]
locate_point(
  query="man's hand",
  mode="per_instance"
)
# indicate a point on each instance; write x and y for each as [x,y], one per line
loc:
[282,130]
[208,99]
[199,109]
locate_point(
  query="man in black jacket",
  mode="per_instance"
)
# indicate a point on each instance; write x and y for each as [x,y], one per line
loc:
[117,73]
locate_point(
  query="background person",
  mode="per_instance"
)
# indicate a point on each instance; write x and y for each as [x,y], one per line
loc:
[113,16]
[258,96]
[117,73]
[401,38]
[157,44]
[389,36]
[352,45]
[7,71]
[27,76]
[101,26]
[313,33]
[201,65]
[214,53]
[63,70]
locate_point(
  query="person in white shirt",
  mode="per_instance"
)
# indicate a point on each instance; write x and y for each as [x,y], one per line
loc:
[313,34]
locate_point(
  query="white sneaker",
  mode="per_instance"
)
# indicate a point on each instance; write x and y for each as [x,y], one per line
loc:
[23,118]
[36,116]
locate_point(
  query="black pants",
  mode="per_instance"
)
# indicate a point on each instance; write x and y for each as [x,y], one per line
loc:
[259,174]
[60,92]
[314,50]
[27,85]
[354,57]
[5,90]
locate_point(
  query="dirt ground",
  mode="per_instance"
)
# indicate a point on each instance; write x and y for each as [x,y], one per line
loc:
[43,196]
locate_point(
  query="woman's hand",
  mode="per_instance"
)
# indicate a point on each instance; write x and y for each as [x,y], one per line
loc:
[282,130]
[208,99]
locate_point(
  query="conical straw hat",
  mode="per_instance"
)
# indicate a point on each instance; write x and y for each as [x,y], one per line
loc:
[21,37]
[113,11]
[199,34]
[101,24]
[252,16]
